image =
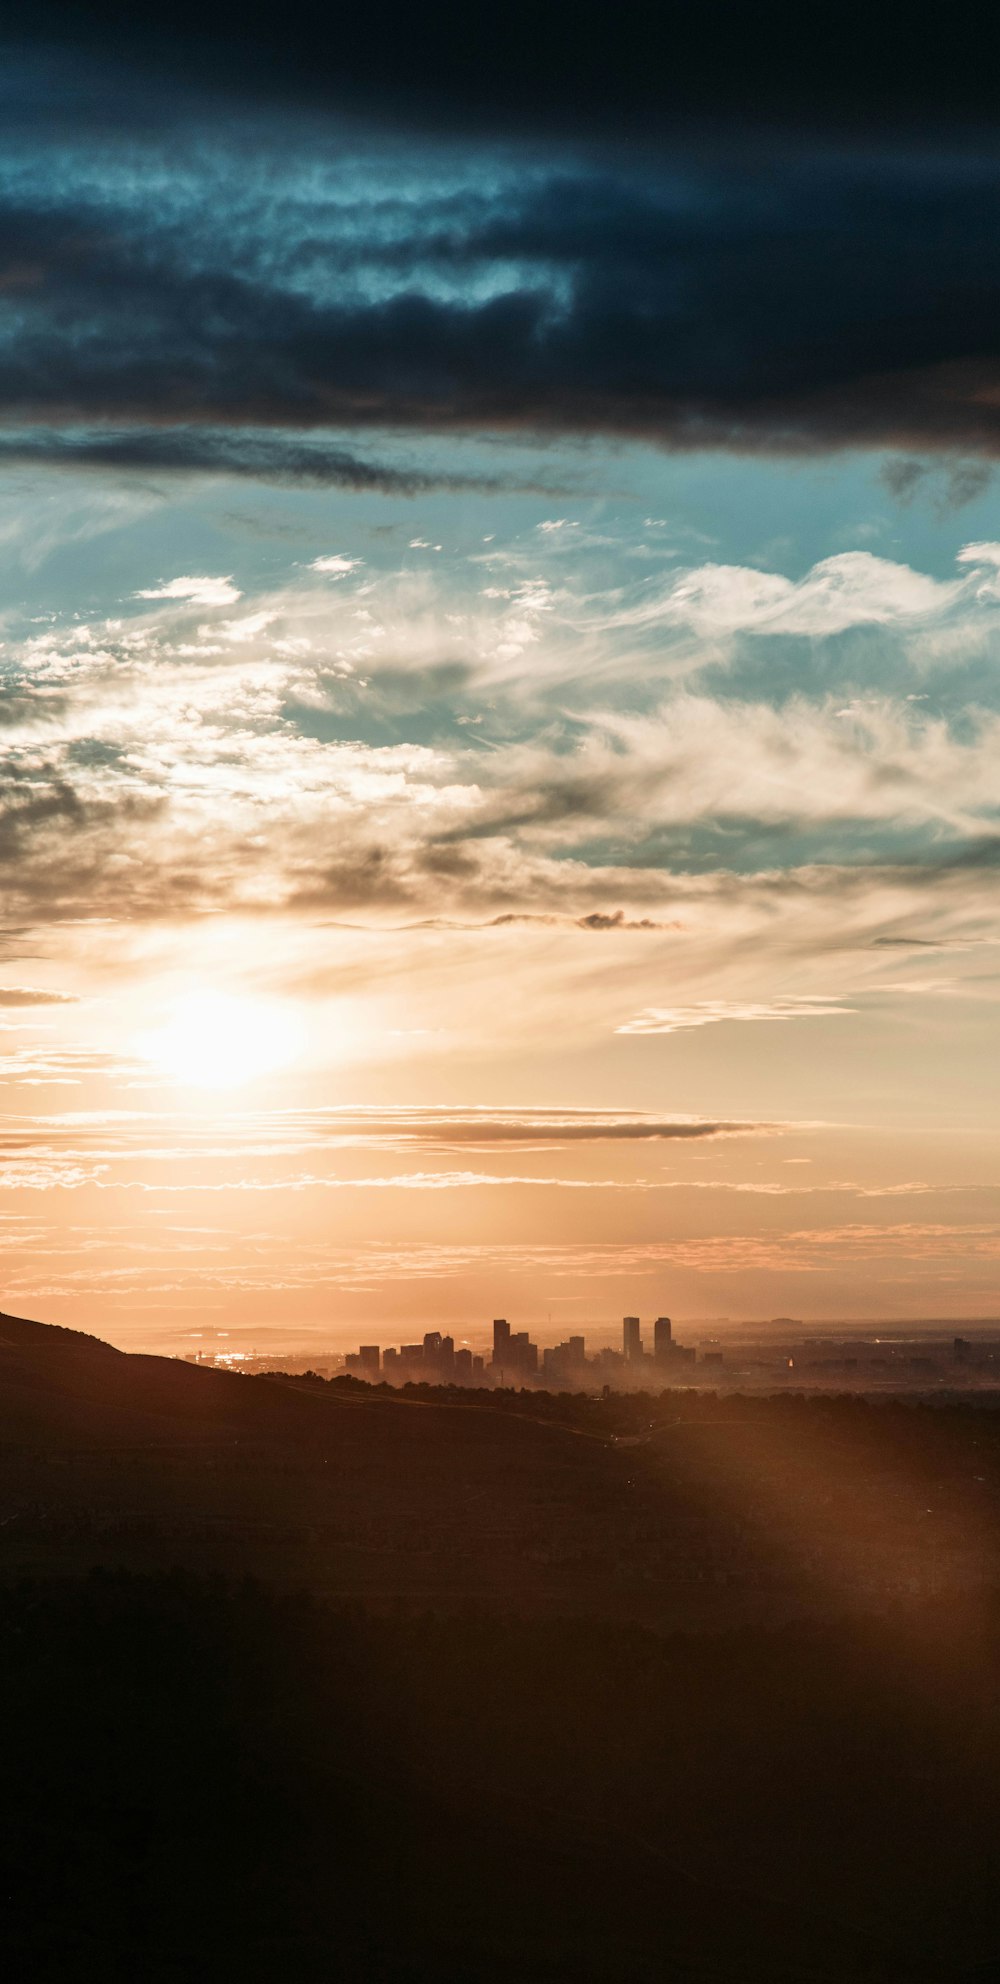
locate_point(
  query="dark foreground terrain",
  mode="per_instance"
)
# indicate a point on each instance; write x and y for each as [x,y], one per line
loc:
[304,1681]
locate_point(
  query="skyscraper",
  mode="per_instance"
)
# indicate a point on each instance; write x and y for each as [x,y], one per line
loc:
[631,1339]
[662,1339]
[501,1339]
[522,1354]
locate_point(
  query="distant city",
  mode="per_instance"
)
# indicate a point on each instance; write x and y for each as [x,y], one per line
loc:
[517,1361]
[780,1352]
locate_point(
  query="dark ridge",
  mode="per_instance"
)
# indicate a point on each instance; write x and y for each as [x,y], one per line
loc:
[20,1334]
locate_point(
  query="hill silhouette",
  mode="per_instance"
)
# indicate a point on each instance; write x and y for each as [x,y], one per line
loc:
[317,1679]
[682,1510]
[347,1490]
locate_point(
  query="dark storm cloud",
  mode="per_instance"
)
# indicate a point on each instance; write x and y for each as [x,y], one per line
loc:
[617,67]
[852,300]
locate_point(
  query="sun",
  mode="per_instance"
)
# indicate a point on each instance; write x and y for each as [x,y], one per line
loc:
[218,1040]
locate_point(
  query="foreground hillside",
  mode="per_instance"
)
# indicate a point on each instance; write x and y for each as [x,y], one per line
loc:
[202,1781]
[316,1681]
[676,1511]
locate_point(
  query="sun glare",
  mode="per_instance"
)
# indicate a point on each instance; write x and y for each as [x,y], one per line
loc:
[216,1040]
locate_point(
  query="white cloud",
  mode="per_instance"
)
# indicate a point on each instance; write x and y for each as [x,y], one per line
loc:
[847,590]
[201,591]
[979,554]
[510,813]
[336,566]
[246,628]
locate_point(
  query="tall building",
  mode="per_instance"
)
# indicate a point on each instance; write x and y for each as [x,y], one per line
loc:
[522,1354]
[662,1339]
[631,1339]
[565,1363]
[364,1363]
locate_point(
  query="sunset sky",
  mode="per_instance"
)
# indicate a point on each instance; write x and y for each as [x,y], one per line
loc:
[500,619]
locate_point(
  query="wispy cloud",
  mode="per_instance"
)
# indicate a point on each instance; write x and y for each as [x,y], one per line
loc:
[27,995]
[495,1128]
[52,1065]
[141,453]
[713,1012]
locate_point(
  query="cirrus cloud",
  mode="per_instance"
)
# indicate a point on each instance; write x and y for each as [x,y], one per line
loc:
[715,1012]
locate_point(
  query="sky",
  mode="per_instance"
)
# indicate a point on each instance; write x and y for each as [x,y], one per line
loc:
[499,712]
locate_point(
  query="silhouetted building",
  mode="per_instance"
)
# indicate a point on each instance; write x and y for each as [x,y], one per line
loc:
[513,1355]
[662,1339]
[566,1363]
[522,1355]
[631,1339]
